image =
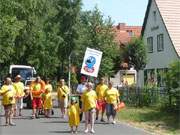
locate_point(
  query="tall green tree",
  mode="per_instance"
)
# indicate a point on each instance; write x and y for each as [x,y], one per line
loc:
[67,18]
[97,33]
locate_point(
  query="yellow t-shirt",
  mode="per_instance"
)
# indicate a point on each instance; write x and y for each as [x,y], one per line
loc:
[49,87]
[62,92]
[100,90]
[8,92]
[36,89]
[48,101]
[19,87]
[89,100]
[73,114]
[111,96]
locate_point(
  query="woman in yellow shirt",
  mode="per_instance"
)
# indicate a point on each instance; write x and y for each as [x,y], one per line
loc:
[19,87]
[8,92]
[74,115]
[89,99]
[112,99]
[62,95]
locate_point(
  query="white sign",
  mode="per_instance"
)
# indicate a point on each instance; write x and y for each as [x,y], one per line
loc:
[91,62]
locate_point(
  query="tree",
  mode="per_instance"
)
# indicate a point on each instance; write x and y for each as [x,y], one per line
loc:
[10,28]
[67,19]
[172,82]
[135,54]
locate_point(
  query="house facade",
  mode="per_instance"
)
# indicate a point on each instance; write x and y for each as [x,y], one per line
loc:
[161,34]
[123,35]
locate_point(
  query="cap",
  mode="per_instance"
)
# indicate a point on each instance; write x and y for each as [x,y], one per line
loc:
[83,78]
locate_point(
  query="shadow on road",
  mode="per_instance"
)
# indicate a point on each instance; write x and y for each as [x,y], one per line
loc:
[67,132]
[55,122]
[23,118]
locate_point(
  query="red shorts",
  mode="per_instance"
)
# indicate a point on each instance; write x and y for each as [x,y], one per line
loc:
[36,103]
[101,105]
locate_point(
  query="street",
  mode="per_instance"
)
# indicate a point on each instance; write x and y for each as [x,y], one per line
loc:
[56,125]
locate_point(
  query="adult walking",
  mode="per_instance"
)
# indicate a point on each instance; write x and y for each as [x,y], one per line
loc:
[19,87]
[8,92]
[100,90]
[37,87]
[80,90]
[112,100]
[89,99]
[62,94]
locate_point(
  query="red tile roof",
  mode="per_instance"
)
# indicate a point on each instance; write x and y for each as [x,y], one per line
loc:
[124,33]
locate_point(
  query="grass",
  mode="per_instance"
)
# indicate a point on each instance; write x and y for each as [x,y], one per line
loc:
[151,119]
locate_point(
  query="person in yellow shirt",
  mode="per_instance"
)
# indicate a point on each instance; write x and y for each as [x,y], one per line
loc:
[8,92]
[47,102]
[112,100]
[62,95]
[48,87]
[37,87]
[89,99]
[19,87]
[100,91]
[74,115]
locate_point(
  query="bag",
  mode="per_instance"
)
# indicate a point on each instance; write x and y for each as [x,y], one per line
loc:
[120,106]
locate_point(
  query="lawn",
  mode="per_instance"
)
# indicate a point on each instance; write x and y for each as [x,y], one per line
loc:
[151,119]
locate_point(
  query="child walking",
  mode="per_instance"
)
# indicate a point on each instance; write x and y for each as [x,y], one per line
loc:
[47,102]
[74,115]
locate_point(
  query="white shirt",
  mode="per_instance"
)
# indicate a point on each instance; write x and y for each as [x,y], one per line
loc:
[81,88]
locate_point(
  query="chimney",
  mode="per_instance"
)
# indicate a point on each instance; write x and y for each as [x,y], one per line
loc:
[121,26]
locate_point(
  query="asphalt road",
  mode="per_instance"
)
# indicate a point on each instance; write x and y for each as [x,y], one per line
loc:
[56,125]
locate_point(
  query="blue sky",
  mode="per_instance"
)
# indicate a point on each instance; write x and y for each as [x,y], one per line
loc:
[131,12]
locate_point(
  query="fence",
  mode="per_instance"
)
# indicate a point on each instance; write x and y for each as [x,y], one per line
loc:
[143,97]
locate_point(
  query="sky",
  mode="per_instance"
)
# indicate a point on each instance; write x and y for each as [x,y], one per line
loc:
[131,12]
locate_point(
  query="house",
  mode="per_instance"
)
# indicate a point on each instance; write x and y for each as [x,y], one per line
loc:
[123,34]
[161,33]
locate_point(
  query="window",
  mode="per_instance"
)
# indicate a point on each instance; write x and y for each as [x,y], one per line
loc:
[161,76]
[150,44]
[149,77]
[160,42]
[130,33]
[154,16]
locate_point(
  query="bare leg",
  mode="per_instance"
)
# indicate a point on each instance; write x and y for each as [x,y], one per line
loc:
[92,118]
[76,129]
[86,121]
[6,116]
[11,116]
[72,129]
[97,114]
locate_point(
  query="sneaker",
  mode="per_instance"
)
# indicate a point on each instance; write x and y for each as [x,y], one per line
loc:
[114,122]
[92,131]
[33,116]
[102,120]
[6,124]
[86,131]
